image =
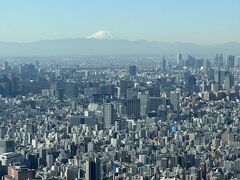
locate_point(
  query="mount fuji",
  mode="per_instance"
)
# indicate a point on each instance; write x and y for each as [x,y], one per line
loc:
[105,35]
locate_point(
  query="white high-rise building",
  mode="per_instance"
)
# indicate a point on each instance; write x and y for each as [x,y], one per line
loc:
[144,104]
[179,58]
[174,99]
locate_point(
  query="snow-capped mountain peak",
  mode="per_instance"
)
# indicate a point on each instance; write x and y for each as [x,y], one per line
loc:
[102,35]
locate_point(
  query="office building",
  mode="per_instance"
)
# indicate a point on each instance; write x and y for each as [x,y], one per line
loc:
[179,59]
[19,173]
[132,70]
[6,146]
[230,61]
[3,132]
[174,99]
[164,63]
[133,108]
[108,115]
[228,81]
[144,104]
[219,76]
[93,169]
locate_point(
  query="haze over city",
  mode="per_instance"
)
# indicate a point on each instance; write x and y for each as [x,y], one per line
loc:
[119,90]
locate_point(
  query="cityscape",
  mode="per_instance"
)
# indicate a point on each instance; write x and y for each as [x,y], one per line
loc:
[150,103]
[161,119]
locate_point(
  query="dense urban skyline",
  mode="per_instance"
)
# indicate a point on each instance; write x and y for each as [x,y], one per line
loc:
[119,90]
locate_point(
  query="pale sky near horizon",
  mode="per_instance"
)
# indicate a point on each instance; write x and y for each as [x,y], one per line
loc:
[197,21]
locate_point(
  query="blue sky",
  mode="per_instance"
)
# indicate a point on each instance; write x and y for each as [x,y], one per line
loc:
[197,21]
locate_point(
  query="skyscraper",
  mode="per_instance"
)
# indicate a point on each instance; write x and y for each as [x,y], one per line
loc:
[230,61]
[123,88]
[28,72]
[93,169]
[72,172]
[108,115]
[164,63]
[218,60]
[3,132]
[144,104]
[219,76]
[133,108]
[174,99]
[179,59]
[228,81]
[132,70]
[189,81]
[71,90]
[238,61]
[58,90]
[7,146]
[210,74]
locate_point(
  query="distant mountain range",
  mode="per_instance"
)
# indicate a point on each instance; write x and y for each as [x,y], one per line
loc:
[104,43]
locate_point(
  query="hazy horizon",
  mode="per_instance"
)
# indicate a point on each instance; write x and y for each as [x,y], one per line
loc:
[121,39]
[203,22]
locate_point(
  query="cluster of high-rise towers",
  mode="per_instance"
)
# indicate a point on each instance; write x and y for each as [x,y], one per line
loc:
[158,117]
